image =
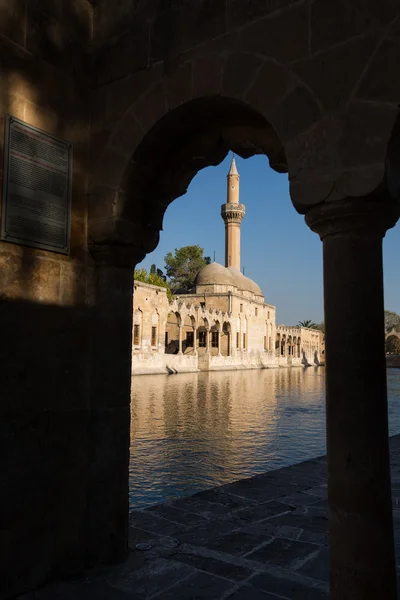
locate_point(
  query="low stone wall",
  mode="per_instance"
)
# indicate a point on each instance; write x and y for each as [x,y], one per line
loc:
[252,360]
[160,363]
[145,363]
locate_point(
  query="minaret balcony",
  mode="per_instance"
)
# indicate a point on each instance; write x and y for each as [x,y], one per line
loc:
[233,212]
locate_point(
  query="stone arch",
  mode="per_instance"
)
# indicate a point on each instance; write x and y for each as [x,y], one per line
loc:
[203,330]
[155,329]
[289,345]
[172,332]
[252,104]
[278,344]
[226,339]
[187,334]
[137,328]
[215,333]
[283,345]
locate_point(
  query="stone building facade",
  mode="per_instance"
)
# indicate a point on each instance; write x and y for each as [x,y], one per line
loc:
[148,94]
[223,323]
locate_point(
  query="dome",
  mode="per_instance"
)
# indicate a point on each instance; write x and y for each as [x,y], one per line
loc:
[244,283]
[214,274]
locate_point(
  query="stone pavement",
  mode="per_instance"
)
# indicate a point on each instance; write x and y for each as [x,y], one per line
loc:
[263,538]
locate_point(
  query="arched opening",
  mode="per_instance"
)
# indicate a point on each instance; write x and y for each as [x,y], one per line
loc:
[278,344]
[226,339]
[188,342]
[203,336]
[173,333]
[215,341]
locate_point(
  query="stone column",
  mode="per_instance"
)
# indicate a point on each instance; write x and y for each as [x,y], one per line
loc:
[360,525]
[180,338]
[194,341]
[219,342]
[106,521]
[207,340]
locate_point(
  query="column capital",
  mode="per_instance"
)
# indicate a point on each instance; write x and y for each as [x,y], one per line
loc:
[353,216]
[125,256]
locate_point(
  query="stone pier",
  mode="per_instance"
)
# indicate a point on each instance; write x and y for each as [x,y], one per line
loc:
[261,538]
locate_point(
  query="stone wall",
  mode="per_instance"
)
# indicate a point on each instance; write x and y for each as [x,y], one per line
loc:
[46,310]
[158,363]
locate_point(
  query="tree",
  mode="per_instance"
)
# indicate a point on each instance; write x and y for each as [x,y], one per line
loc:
[155,271]
[321,327]
[153,279]
[183,266]
[393,344]
[308,323]
[392,321]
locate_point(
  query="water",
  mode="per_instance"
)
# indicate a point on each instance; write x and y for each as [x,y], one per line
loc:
[190,432]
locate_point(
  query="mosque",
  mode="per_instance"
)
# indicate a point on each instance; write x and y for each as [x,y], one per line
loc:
[223,322]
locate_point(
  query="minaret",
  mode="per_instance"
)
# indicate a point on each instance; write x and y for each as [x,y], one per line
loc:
[232,213]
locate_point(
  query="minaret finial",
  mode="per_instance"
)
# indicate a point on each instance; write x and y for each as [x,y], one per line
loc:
[233,170]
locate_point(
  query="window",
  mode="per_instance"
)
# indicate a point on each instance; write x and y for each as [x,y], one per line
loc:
[214,339]
[268,315]
[189,339]
[269,344]
[244,340]
[256,311]
[241,308]
[265,342]
[166,339]
[202,304]
[202,339]
[237,340]
[136,335]
[154,336]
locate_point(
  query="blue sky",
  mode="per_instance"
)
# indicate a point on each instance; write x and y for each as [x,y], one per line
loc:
[278,250]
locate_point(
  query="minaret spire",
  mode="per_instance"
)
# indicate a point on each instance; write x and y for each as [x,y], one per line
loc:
[232,213]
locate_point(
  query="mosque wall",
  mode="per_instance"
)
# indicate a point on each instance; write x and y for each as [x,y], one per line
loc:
[248,337]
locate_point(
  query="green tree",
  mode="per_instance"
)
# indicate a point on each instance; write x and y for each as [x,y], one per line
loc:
[153,279]
[155,271]
[308,323]
[183,266]
[393,344]
[392,321]
[321,327]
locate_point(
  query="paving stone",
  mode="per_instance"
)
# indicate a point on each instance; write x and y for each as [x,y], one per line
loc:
[249,592]
[260,491]
[149,522]
[237,543]
[283,552]
[291,533]
[139,536]
[176,515]
[199,586]
[286,588]
[195,505]
[84,591]
[264,511]
[206,532]
[299,499]
[321,539]
[323,504]
[214,566]
[155,575]
[229,500]
[318,566]
[261,528]
[319,490]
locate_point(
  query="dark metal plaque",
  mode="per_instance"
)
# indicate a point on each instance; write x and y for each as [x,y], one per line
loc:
[36,204]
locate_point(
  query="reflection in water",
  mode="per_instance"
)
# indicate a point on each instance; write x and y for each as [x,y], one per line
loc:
[190,432]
